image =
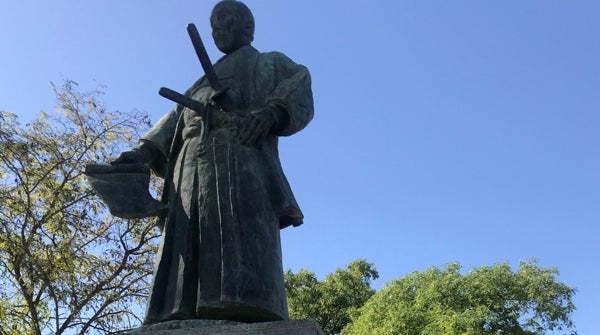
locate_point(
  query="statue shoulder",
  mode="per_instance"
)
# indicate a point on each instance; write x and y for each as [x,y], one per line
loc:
[276,57]
[281,62]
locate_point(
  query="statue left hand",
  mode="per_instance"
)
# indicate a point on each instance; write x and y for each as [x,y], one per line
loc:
[260,123]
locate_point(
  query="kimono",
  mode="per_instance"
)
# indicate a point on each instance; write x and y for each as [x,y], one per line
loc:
[220,254]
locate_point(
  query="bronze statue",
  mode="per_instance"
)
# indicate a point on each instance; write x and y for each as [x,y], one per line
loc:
[226,193]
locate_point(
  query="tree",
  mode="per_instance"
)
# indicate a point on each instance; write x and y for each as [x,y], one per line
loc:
[333,300]
[66,265]
[487,300]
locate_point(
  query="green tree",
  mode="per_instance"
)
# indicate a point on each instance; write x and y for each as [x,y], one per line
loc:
[333,300]
[487,300]
[66,265]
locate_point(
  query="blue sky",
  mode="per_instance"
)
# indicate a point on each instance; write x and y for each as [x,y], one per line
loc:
[444,131]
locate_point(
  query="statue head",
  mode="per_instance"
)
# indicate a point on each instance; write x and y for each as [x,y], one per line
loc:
[232,25]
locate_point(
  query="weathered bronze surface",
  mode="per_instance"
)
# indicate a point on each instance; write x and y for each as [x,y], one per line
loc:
[227,195]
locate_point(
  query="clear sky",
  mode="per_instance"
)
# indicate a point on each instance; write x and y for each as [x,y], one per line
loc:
[444,131]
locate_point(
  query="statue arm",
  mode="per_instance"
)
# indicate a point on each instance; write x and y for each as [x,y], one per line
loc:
[161,135]
[292,96]
[157,141]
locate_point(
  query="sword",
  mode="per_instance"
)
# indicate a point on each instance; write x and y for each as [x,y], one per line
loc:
[209,73]
[180,99]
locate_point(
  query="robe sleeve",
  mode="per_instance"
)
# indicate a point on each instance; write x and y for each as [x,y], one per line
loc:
[161,134]
[159,138]
[292,94]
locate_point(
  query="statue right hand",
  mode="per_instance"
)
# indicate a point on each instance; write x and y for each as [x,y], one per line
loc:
[143,153]
[129,157]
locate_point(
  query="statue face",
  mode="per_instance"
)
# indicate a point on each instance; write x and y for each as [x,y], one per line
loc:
[226,30]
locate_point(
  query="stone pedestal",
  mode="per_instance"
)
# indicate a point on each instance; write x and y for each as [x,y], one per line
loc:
[290,327]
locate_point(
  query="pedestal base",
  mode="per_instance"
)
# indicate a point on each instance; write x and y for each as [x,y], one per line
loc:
[290,327]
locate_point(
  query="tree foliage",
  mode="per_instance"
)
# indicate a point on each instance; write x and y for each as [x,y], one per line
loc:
[487,300]
[66,265]
[333,300]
